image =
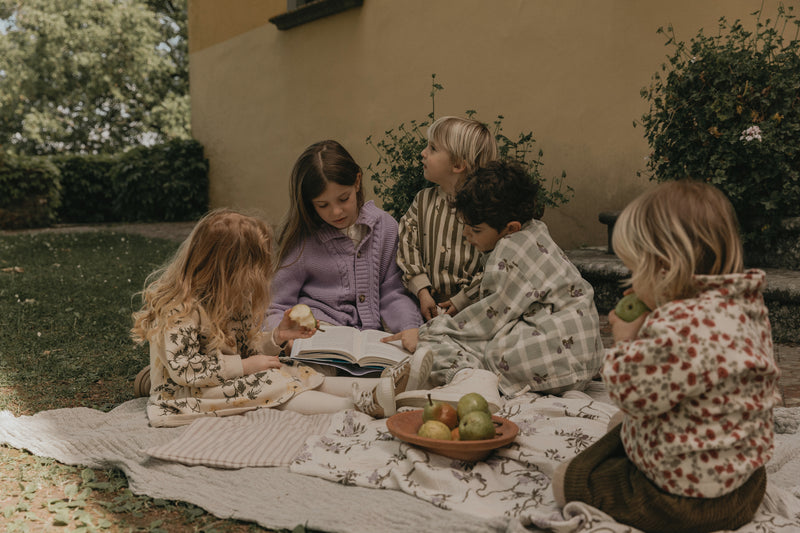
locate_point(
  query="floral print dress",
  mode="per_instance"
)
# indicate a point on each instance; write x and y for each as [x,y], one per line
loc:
[190,380]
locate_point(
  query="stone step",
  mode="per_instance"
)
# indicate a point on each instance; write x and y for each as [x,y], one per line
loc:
[605,272]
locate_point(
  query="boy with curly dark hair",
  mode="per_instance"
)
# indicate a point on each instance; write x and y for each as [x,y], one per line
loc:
[535,325]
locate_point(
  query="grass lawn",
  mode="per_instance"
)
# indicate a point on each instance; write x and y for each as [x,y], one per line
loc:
[65,311]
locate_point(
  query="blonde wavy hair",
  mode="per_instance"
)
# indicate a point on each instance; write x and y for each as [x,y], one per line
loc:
[223,268]
[675,231]
[469,142]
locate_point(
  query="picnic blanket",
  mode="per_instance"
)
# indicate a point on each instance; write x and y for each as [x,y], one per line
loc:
[339,460]
[514,483]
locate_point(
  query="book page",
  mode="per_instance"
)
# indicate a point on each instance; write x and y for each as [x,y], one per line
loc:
[374,350]
[334,340]
[347,343]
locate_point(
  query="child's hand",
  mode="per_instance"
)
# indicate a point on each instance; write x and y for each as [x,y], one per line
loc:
[427,305]
[408,338]
[259,363]
[288,330]
[625,331]
[448,307]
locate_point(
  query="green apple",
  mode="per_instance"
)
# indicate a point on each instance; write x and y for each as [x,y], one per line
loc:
[472,402]
[476,425]
[302,316]
[433,429]
[441,411]
[630,307]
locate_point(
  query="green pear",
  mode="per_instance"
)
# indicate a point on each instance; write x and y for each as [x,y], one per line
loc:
[441,411]
[476,425]
[472,401]
[630,307]
[433,429]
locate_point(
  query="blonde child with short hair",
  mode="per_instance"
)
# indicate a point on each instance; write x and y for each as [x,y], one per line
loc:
[202,315]
[695,378]
[439,266]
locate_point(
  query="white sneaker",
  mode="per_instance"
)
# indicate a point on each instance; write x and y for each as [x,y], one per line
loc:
[421,365]
[378,402]
[399,374]
[468,380]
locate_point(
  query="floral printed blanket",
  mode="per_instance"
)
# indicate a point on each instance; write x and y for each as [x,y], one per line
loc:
[514,482]
[350,455]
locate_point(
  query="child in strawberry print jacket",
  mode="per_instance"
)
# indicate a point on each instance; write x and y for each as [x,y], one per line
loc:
[695,378]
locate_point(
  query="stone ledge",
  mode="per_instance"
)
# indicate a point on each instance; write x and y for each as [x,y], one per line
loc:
[606,272]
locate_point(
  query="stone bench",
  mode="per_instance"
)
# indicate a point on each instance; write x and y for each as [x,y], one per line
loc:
[605,272]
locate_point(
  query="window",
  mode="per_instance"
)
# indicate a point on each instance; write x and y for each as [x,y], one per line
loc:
[302,11]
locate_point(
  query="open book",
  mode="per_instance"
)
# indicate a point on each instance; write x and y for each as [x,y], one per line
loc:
[357,352]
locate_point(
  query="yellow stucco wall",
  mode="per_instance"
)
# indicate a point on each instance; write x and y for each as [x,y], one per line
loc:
[569,70]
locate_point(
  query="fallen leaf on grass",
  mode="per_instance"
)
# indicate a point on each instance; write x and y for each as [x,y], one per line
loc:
[18,270]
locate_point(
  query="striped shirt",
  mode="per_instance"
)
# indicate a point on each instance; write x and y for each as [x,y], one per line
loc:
[433,253]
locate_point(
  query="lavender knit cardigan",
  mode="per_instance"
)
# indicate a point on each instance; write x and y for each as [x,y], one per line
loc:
[345,285]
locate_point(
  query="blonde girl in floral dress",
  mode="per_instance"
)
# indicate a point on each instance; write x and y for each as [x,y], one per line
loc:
[695,378]
[202,317]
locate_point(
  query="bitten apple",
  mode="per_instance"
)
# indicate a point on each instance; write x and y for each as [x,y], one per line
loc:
[302,316]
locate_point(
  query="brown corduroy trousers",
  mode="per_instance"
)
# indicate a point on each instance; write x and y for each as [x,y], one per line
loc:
[604,477]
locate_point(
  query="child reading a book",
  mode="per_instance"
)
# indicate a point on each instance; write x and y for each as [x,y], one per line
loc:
[439,266]
[695,378]
[535,325]
[336,252]
[202,316]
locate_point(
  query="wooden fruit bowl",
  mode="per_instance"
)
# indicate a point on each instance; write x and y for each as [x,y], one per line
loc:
[405,425]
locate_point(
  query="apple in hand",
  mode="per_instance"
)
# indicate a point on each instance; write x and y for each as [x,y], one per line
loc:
[476,425]
[630,307]
[441,411]
[433,429]
[301,315]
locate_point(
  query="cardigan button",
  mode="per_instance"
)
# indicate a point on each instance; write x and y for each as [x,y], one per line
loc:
[361,298]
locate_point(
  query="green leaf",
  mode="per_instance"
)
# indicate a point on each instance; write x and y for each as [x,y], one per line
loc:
[60,55]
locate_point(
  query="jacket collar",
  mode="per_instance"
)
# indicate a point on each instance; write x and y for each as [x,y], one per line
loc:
[367,215]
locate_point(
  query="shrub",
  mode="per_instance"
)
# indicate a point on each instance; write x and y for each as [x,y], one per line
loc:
[398,174]
[726,109]
[31,192]
[161,183]
[165,182]
[86,190]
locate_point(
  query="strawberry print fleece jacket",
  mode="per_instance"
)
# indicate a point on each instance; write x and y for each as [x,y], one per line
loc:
[697,388]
